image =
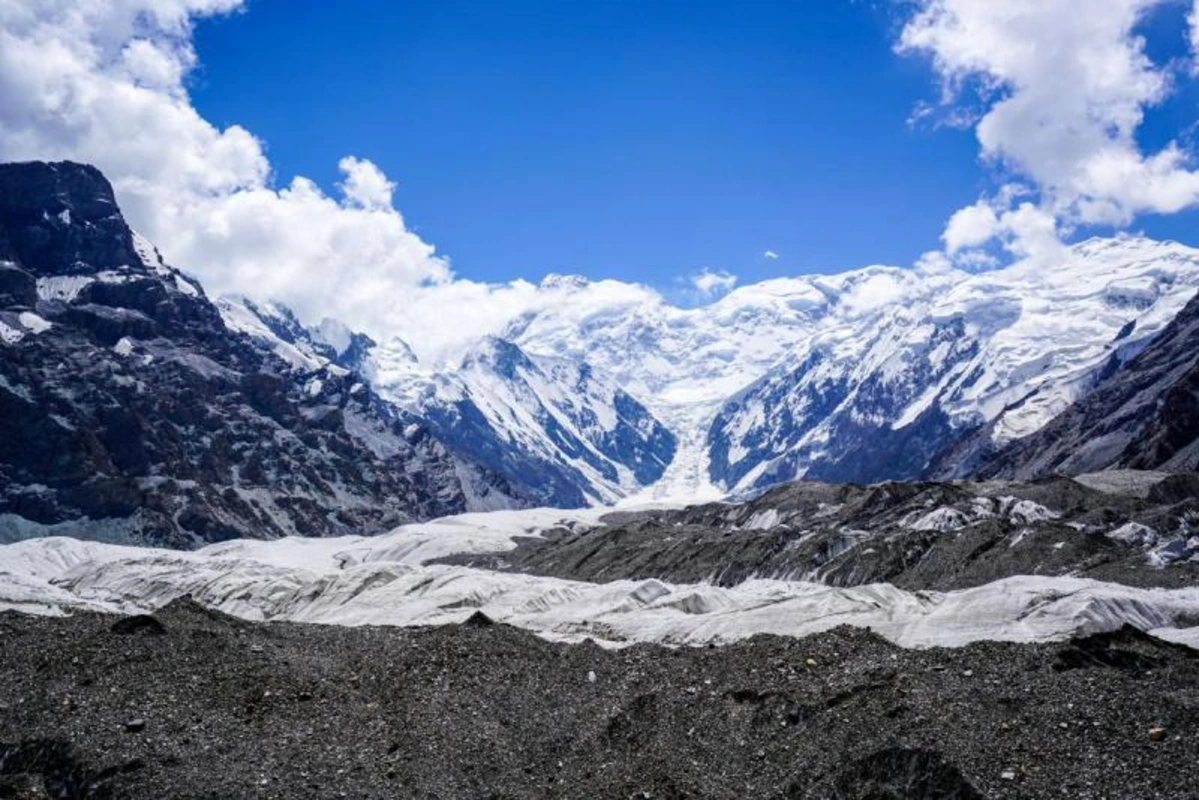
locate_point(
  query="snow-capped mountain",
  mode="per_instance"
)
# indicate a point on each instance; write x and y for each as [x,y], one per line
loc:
[683,364]
[950,355]
[552,425]
[130,412]
[866,375]
[526,430]
[870,374]
[603,393]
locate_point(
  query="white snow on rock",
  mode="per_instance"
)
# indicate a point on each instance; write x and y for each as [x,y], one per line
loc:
[186,286]
[1134,534]
[10,335]
[765,377]
[238,314]
[387,581]
[149,255]
[941,519]
[62,287]
[1008,348]
[1026,512]
[762,520]
[33,323]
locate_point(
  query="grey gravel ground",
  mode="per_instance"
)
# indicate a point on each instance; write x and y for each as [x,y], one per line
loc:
[194,704]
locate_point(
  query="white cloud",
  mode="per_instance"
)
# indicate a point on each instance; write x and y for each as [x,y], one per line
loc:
[970,227]
[441,321]
[102,81]
[1063,92]
[709,283]
[1020,227]
[365,184]
[1193,26]
[771,255]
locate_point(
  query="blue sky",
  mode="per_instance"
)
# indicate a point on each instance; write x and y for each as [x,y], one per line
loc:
[635,140]
[256,142]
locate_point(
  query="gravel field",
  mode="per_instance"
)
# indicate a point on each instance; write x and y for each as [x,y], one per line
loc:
[191,703]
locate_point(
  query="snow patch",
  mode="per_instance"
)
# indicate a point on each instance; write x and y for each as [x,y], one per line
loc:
[33,323]
[62,287]
[942,519]
[1134,534]
[10,335]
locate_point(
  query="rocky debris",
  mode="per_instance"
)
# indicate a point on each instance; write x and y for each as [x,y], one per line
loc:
[129,412]
[478,620]
[139,624]
[921,535]
[491,711]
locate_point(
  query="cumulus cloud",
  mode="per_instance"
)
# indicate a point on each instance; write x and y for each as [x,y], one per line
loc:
[1062,93]
[365,185]
[770,255]
[103,81]
[1022,228]
[709,283]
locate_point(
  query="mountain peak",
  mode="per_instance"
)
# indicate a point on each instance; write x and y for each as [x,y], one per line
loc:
[32,186]
[61,218]
[500,355]
[559,281]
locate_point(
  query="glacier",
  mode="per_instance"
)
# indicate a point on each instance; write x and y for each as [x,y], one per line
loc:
[389,580]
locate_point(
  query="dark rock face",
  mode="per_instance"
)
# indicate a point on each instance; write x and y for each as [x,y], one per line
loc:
[61,219]
[913,535]
[128,411]
[469,435]
[1144,415]
[290,710]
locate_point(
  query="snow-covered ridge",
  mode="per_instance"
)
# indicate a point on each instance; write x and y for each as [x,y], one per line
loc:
[387,580]
[859,376]
[777,378]
[880,391]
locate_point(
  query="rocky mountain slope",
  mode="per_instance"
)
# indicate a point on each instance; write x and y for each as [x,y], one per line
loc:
[951,362]
[130,412]
[1128,527]
[1145,415]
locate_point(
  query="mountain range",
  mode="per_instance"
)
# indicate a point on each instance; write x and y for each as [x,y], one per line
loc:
[134,406]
